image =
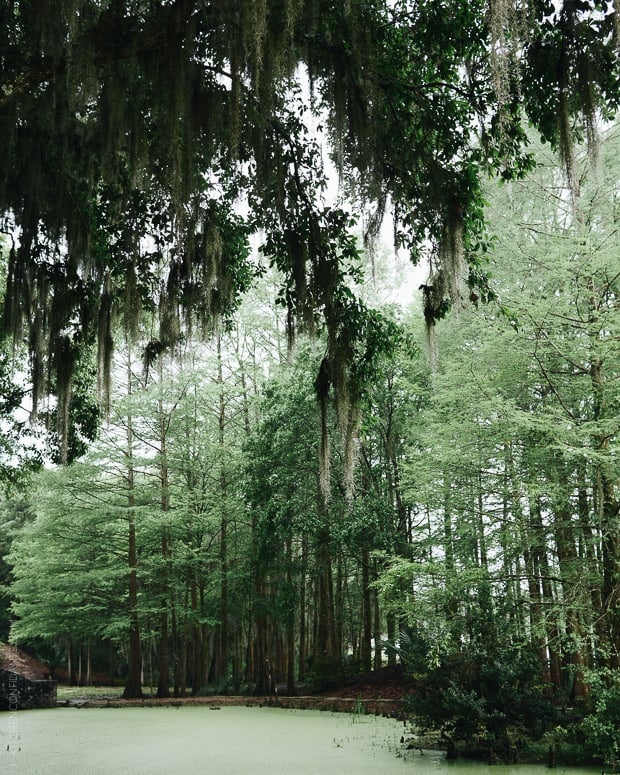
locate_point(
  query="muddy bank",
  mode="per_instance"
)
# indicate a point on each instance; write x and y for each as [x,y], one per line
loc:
[379,707]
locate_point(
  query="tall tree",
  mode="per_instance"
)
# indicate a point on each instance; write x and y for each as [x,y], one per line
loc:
[510,458]
[123,120]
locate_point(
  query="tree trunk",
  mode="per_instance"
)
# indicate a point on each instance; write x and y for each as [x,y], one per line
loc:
[198,677]
[541,571]
[260,651]
[290,624]
[378,662]
[176,668]
[569,569]
[89,665]
[608,505]
[71,662]
[601,645]
[163,683]
[223,639]
[365,650]
[327,658]
[133,684]
[391,636]
[302,659]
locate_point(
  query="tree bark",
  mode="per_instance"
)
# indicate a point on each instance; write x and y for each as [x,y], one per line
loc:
[223,639]
[290,625]
[302,659]
[133,684]
[163,683]
[365,651]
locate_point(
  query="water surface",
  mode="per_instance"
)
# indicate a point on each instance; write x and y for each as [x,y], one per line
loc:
[229,741]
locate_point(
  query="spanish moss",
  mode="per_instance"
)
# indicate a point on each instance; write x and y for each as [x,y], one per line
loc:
[134,134]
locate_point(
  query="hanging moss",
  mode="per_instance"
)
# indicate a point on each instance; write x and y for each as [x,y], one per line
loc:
[132,306]
[350,447]
[322,385]
[12,314]
[373,227]
[105,346]
[117,117]
[64,358]
[436,306]
[507,27]
[452,259]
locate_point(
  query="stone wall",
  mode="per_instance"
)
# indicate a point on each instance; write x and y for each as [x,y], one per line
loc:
[18,693]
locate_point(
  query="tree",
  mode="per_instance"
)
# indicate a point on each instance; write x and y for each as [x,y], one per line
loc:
[573,351]
[283,491]
[510,459]
[124,120]
[69,566]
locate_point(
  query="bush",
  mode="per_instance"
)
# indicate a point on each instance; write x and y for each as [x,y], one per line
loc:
[484,700]
[600,729]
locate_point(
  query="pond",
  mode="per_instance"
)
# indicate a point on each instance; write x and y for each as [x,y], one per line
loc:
[228,741]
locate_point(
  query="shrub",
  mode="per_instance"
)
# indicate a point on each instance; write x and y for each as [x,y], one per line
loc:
[484,699]
[601,728]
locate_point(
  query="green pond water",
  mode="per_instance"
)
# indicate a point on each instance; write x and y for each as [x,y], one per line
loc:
[229,741]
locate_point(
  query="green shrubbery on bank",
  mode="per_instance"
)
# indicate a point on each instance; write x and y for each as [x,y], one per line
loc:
[491,704]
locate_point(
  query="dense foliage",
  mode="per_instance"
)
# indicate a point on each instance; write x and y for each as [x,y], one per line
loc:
[477,543]
[131,128]
[200,526]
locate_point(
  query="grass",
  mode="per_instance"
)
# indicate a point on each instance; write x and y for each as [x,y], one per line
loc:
[88,692]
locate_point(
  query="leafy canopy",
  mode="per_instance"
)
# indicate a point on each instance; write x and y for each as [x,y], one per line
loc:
[124,120]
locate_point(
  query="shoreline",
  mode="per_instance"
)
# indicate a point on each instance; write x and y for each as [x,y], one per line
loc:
[378,707]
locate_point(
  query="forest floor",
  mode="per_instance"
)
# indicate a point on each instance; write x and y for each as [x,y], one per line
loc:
[387,683]
[380,691]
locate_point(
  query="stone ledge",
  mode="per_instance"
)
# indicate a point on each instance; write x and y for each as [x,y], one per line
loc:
[19,693]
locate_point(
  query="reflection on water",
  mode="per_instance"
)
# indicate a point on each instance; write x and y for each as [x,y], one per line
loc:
[229,741]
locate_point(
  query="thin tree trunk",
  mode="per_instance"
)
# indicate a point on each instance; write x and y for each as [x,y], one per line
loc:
[302,608]
[326,636]
[185,636]
[611,567]
[608,505]
[163,683]
[133,684]
[71,662]
[176,659]
[197,662]
[569,567]
[290,626]
[542,571]
[365,651]
[223,640]
[378,662]
[391,636]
